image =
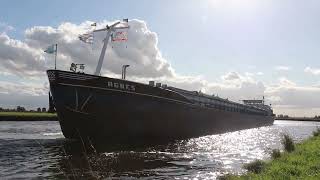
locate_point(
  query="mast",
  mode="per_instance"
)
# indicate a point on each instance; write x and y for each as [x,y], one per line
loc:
[103,52]
[109,30]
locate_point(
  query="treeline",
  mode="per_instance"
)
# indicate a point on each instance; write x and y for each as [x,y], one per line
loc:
[23,109]
[287,117]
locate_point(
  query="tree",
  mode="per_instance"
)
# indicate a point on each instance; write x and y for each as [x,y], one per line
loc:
[21,109]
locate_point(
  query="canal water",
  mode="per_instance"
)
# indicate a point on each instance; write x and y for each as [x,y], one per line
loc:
[38,150]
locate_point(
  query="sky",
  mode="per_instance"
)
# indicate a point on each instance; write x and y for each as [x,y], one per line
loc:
[236,49]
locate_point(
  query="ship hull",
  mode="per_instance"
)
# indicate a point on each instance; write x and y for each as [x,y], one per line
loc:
[108,114]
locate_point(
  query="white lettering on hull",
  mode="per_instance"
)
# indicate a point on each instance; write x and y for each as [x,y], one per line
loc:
[122,86]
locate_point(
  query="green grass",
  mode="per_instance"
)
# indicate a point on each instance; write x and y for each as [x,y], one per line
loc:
[302,163]
[27,114]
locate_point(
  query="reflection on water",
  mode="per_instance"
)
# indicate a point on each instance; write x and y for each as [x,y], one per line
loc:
[38,149]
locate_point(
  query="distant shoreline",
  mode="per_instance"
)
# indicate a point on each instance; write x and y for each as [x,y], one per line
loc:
[297,119]
[28,116]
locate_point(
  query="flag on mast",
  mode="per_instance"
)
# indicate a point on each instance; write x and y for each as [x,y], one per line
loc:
[51,49]
[124,23]
[119,36]
[87,38]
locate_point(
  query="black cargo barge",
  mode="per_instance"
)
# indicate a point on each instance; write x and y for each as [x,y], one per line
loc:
[107,108]
[103,108]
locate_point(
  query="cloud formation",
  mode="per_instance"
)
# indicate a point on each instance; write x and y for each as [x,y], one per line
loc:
[290,98]
[282,68]
[140,51]
[19,58]
[313,71]
[4,27]
[31,89]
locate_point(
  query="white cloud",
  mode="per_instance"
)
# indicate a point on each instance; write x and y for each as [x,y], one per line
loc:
[17,57]
[31,89]
[287,95]
[313,71]
[282,68]
[4,27]
[284,82]
[230,76]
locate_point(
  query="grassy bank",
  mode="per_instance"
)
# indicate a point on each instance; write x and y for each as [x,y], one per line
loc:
[302,162]
[27,116]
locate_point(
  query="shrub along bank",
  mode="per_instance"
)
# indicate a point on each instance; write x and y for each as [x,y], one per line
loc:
[298,161]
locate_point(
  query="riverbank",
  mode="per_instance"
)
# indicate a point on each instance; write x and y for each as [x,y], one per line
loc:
[27,116]
[301,163]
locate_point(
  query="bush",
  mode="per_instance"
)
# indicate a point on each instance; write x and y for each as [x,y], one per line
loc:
[256,166]
[275,154]
[288,143]
[316,132]
[225,177]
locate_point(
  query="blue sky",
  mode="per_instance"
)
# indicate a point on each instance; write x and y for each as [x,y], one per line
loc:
[205,38]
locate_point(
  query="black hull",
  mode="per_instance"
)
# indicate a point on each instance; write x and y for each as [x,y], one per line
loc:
[90,110]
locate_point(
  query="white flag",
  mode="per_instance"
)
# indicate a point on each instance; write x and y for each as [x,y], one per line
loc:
[119,36]
[87,38]
[51,49]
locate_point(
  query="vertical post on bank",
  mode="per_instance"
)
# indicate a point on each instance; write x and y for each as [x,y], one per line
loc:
[55,58]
